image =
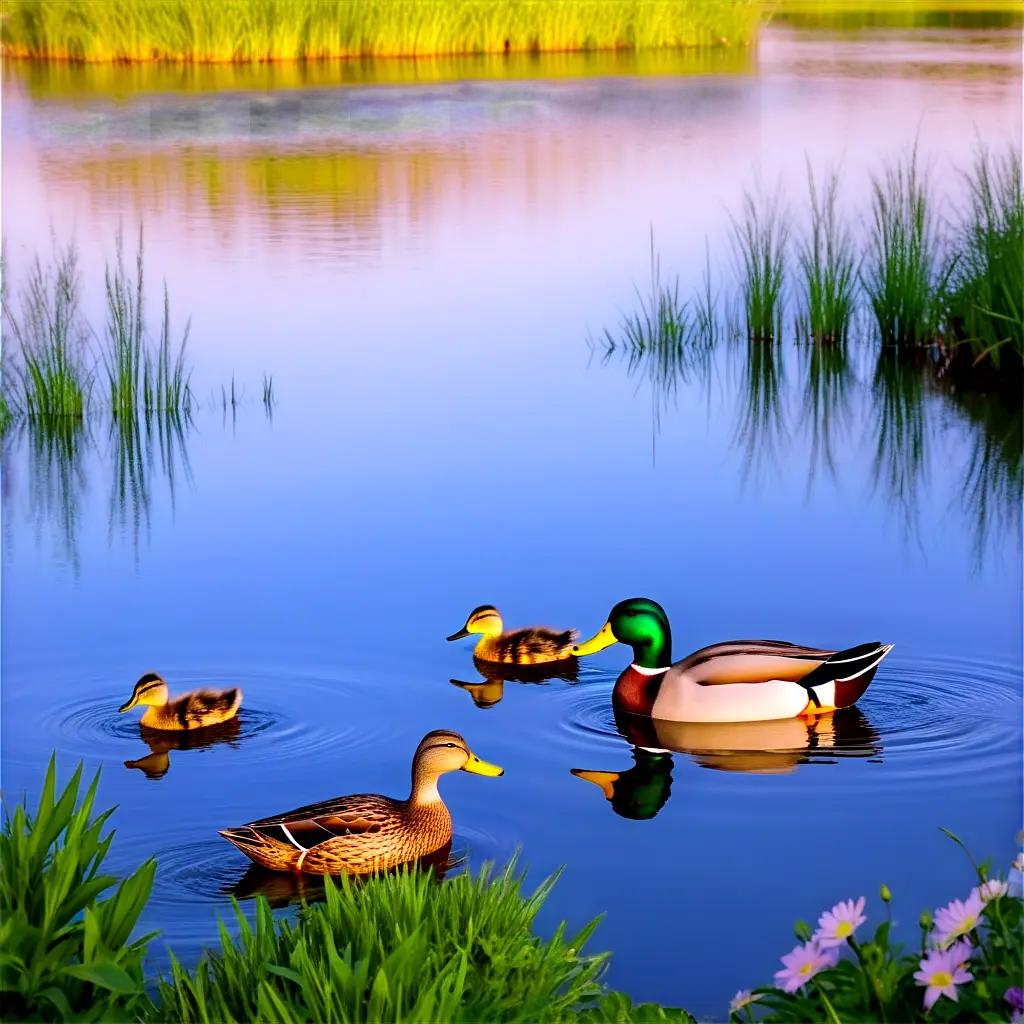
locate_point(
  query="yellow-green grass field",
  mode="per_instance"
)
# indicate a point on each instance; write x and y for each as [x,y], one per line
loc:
[210,31]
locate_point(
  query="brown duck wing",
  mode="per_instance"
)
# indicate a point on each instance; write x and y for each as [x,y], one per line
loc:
[752,661]
[523,645]
[204,704]
[306,827]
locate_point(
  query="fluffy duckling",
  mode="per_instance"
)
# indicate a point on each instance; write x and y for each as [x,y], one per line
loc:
[365,833]
[534,645]
[195,710]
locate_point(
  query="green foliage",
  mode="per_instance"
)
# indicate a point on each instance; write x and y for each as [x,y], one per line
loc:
[51,380]
[254,30]
[905,275]
[874,978]
[66,953]
[985,304]
[828,264]
[401,948]
[139,377]
[759,240]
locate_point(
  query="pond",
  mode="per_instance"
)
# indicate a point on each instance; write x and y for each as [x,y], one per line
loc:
[425,257]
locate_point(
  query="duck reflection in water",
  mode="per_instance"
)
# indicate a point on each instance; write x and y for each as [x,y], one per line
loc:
[282,888]
[754,748]
[490,690]
[161,742]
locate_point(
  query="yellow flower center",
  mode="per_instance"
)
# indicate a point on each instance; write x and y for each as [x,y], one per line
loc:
[843,929]
[805,968]
[940,979]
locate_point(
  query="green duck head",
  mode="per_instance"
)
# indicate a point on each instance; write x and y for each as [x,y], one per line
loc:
[639,623]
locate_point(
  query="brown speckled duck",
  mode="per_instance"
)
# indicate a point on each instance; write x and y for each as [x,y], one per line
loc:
[365,833]
[196,710]
[534,645]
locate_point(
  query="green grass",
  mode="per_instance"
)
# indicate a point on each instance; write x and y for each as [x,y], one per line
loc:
[51,380]
[141,377]
[828,265]
[905,268]
[399,947]
[985,300]
[266,30]
[760,237]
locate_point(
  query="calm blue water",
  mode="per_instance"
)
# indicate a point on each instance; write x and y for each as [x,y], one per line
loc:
[420,268]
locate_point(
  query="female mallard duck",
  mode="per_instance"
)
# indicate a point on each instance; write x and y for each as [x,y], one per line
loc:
[535,645]
[736,681]
[196,710]
[364,833]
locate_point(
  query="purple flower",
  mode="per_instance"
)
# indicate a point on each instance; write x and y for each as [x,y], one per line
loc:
[803,963]
[837,925]
[1015,997]
[942,970]
[956,919]
[742,998]
[991,889]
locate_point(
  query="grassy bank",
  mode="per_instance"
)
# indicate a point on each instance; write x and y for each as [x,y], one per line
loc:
[212,31]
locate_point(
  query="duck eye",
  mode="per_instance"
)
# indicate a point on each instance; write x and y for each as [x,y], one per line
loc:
[452,745]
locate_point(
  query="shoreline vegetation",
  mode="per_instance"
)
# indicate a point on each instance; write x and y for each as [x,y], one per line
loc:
[239,31]
[409,946]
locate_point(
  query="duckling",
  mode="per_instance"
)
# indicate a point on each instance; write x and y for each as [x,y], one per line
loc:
[365,833]
[196,710]
[534,645]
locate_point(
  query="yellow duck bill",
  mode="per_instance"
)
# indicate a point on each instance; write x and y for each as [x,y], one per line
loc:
[603,638]
[478,767]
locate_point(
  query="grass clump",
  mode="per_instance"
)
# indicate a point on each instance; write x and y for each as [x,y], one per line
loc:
[985,304]
[828,263]
[201,31]
[67,954]
[51,379]
[139,377]
[759,241]
[904,276]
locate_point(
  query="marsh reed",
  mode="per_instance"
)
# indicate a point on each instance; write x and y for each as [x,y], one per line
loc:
[760,236]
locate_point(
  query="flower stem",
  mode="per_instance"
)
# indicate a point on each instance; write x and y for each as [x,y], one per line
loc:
[830,1010]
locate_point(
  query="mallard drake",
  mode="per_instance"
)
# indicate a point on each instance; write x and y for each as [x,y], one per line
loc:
[736,681]
[196,710]
[365,833]
[534,645]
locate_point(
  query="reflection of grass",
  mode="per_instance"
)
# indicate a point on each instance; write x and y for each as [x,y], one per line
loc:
[828,263]
[759,240]
[762,420]
[985,303]
[903,277]
[266,30]
[51,380]
[825,402]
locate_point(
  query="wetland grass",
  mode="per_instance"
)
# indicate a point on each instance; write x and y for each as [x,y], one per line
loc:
[905,269]
[985,297]
[828,264]
[209,31]
[760,237]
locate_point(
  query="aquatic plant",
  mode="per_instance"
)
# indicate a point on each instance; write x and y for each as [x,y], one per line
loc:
[50,376]
[759,242]
[905,270]
[985,298]
[68,954]
[267,30]
[140,378]
[967,967]
[828,263]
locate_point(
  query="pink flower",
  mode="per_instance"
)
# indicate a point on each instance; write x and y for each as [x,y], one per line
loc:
[942,970]
[837,925]
[957,918]
[991,889]
[803,963]
[742,998]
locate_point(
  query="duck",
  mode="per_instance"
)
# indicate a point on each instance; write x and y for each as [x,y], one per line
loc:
[735,681]
[534,645]
[157,762]
[365,833]
[198,709]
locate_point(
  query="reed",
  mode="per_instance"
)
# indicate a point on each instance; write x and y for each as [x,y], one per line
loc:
[51,380]
[905,269]
[985,299]
[828,264]
[266,30]
[760,238]
[141,378]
